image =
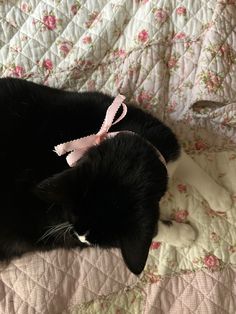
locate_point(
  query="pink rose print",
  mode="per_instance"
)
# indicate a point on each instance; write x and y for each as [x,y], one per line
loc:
[119,53]
[181,11]
[142,1]
[172,62]
[200,145]
[154,278]
[180,35]
[91,85]
[85,64]
[94,16]
[232,249]
[214,237]
[143,36]
[65,47]
[160,15]
[181,215]
[76,74]
[210,86]
[87,40]
[47,64]
[215,79]
[182,188]
[224,49]
[15,49]
[171,107]
[18,71]
[144,97]
[227,52]
[74,8]
[25,7]
[155,245]
[211,261]
[50,22]
[82,65]
[187,44]
[211,80]
[215,213]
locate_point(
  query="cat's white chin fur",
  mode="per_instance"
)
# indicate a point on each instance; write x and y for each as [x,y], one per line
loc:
[175,234]
[82,238]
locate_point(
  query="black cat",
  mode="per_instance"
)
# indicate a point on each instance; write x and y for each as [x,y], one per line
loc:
[110,198]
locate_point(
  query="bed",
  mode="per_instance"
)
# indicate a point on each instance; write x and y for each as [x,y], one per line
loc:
[176,59]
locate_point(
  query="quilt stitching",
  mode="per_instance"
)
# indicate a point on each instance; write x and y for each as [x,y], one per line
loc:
[189,282]
[188,20]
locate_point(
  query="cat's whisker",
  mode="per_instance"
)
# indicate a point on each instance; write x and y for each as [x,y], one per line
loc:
[54,230]
[62,230]
[66,232]
[59,226]
[57,232]
[60,234]
[49,232]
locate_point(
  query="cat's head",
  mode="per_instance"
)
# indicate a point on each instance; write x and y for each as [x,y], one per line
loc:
[112,196]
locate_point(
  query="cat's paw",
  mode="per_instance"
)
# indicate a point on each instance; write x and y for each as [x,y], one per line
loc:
[220,201]
[180,235]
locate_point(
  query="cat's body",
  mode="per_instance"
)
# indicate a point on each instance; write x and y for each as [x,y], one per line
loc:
[112,194]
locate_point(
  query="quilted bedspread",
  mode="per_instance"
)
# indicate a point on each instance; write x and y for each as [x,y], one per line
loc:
[176,59]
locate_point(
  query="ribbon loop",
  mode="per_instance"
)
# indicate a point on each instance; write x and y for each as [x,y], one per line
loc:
[111,113]
[77,148]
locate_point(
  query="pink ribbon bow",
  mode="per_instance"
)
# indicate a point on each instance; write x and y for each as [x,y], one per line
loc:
[77,148]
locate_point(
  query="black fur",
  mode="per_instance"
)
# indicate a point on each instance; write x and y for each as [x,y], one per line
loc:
[114,190]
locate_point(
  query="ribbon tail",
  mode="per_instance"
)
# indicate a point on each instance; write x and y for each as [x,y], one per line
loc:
[111,112]
[67,147]
[60,150]
[74,156]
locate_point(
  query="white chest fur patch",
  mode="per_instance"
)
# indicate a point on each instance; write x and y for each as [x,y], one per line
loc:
[82,238]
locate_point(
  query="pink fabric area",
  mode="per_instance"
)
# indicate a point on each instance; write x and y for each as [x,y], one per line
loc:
[53,282]
[202,292]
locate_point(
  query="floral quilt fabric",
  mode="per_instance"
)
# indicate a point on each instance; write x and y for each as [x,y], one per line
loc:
[176,59]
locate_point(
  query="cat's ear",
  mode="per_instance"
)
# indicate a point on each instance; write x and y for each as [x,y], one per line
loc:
[67,185]
[57,188]
[135,247]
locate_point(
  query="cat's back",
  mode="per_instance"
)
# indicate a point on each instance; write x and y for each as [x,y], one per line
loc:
[34,118]
[19,97]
